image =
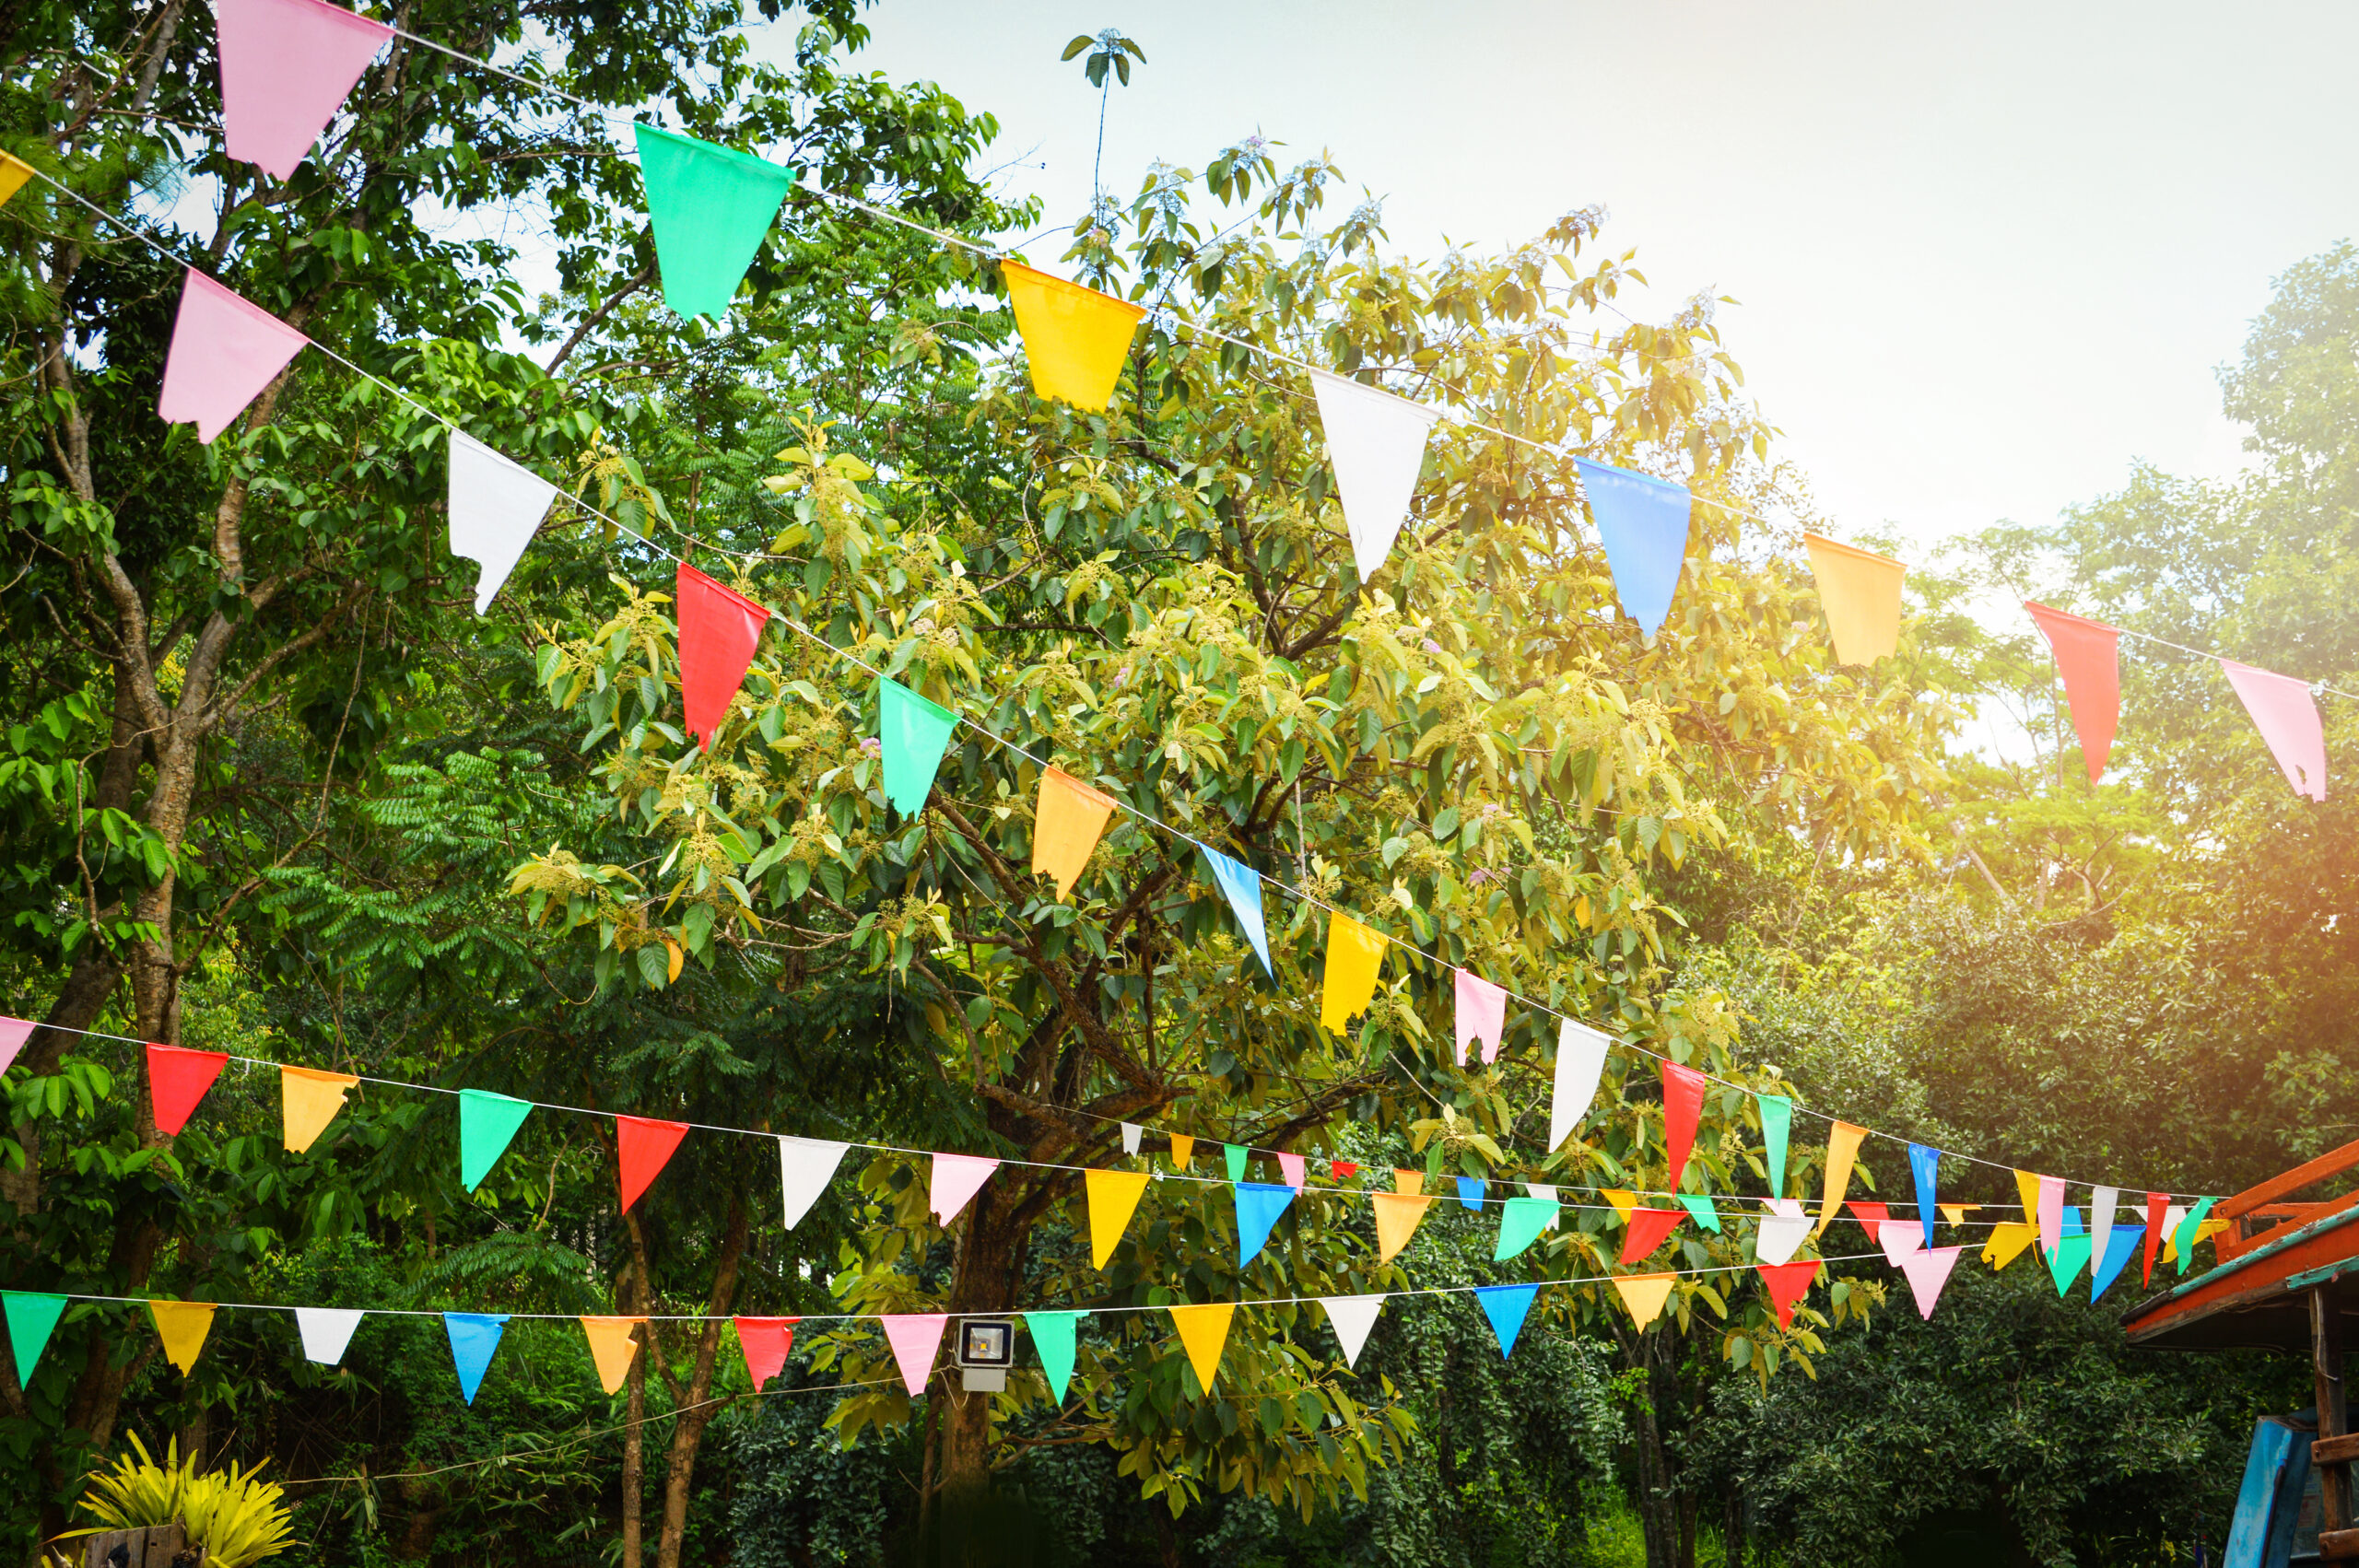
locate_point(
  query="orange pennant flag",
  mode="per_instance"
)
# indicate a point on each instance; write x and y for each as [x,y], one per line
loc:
[1354,952]
[1075,338]
[308,1100]
[2008,1238]
[1113,1195]
[182,1324]
[1203,1330]
[14,173]
[1409,1182]
[612,1346]
[1067,826]
[1644,1294]
[1842,1146]
[1183,1148]
[1861,593]
[1397,1214]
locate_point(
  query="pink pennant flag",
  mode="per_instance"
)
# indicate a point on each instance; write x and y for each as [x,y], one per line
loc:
[14,1032]
[2287,718]
[1290,1167]
[915,1336]
[1899,1241]
[224,351]
[2051,1211]
[1482,1016]
[1928,1268]
[955,1180]
[287,67]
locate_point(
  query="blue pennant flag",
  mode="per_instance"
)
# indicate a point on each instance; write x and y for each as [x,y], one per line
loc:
[1241,884]
[1643,523]
[1925,1164]
[1469,1192]
[2119,1247]
[1259,1204]
[1505,1306]
[474,1335]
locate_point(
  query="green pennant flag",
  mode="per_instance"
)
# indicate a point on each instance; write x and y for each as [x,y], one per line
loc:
[1521,1222]
[710,207]
[1701,1208]
[487,1122]
[915,735]
[31,1316]
[1235,1153]
[1776,1121]
[1052,1338]
[2071,1256]
[2184,1237]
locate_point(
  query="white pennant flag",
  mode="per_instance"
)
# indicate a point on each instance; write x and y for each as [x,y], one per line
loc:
[1580,1061]
[326,1330]
[1783,1231]
[1352,1317]
[805,1166]
[496,508]
[2101,1205]
[1131,1131]
[1377,442]
[1540,1189]
[2171,1218]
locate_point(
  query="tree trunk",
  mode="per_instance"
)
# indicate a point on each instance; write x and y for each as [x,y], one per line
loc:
[694,1415]
[990,1258]
[634,1433]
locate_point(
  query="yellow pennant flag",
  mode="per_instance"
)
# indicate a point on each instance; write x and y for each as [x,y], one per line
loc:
[1353,952]
[309,1101]
[1409,1182]
[1397,1214]
[611,1346]
[1203,1330]
[1842,1145]
[183,1325]
[1065,828]
[1956,1213]
[1861,593]
[2027,1189]
[1622,1202]
[14,173]
[2170,1237]
[1183,1148]
[1113,1197]
[1077,338]
[2008,1238]
[1644,1294]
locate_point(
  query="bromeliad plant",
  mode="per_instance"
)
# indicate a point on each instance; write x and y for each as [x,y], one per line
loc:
[235,1516]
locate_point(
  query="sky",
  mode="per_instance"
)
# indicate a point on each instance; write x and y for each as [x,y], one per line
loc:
[1986,257]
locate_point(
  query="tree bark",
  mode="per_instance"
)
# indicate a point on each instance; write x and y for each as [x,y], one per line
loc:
[694,1415]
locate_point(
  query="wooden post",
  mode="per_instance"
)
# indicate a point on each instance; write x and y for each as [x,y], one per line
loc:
[150,1546]
[2337,1540]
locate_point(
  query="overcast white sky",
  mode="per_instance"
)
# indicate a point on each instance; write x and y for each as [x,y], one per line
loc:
[1987,254]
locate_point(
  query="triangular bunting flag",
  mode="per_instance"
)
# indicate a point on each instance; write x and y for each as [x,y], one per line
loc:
[496,508]
[2027,1191]
[14,1032]
[1183,1148]
[1203,1330]
[1682,1104]
[2121,1245]
[1352,1317]
[177,1080]
[914,733]
[1956,1213]
[1471,1191]
[719,628]
[1777,1125]
[642,1148]
[1540,1189]
[1341,1170]
[612,1345]
[805,1166]
[1131,1133]
[2156,1202]
[1644,1294]
[287,67]
[710,208]
[1900,1239]
[1241,885]
[2191,1231]
[2172,1215]
[1522,1222]
[2287,717]
[1233,1156]
[308,1100]
[2102,1202]
[2051,1211]
[1397,1214]
[1113,1196]
[1860,592]
[14,173]
[955,1180]
[1067,826]
[1842,1146]
[33,1317]
[1701,1210]
[327,1331]
[1259,1204]
[1482,1016]
[224,350]
[1505,1307]
[1642,522]
[183,1326]
[474,1337]
[1353,952]
[1376,444]
[1783,1231]
[1925,1166]
[765,1342]
[2088,656]
[1581,1062]
[1052,1341]
[1788,1284]
[1409,1182]
[1075,338]
[2007,1240]
[915,1338]
[1928,1269]
[1291,1170]
[2067,1259]
[487,1122]
[1871,1217]
[1623,1200]
[1647,1227]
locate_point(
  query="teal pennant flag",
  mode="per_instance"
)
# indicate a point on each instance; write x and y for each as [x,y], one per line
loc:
[1521,1222]
[1052,1339]
[711,206]
[914,733]
[487,1122]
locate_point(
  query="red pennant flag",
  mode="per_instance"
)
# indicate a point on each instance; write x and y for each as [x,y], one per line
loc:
[765,1342]
[1788,1282]
[1647,1228]
[177,1080]
[1683,1103]
[719,628]
[2156,1202]
[644,1146]
[1871,1215]
[1342,1170]
[2088,657]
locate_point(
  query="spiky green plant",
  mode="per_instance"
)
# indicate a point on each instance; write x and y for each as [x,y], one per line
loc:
[238,1518]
